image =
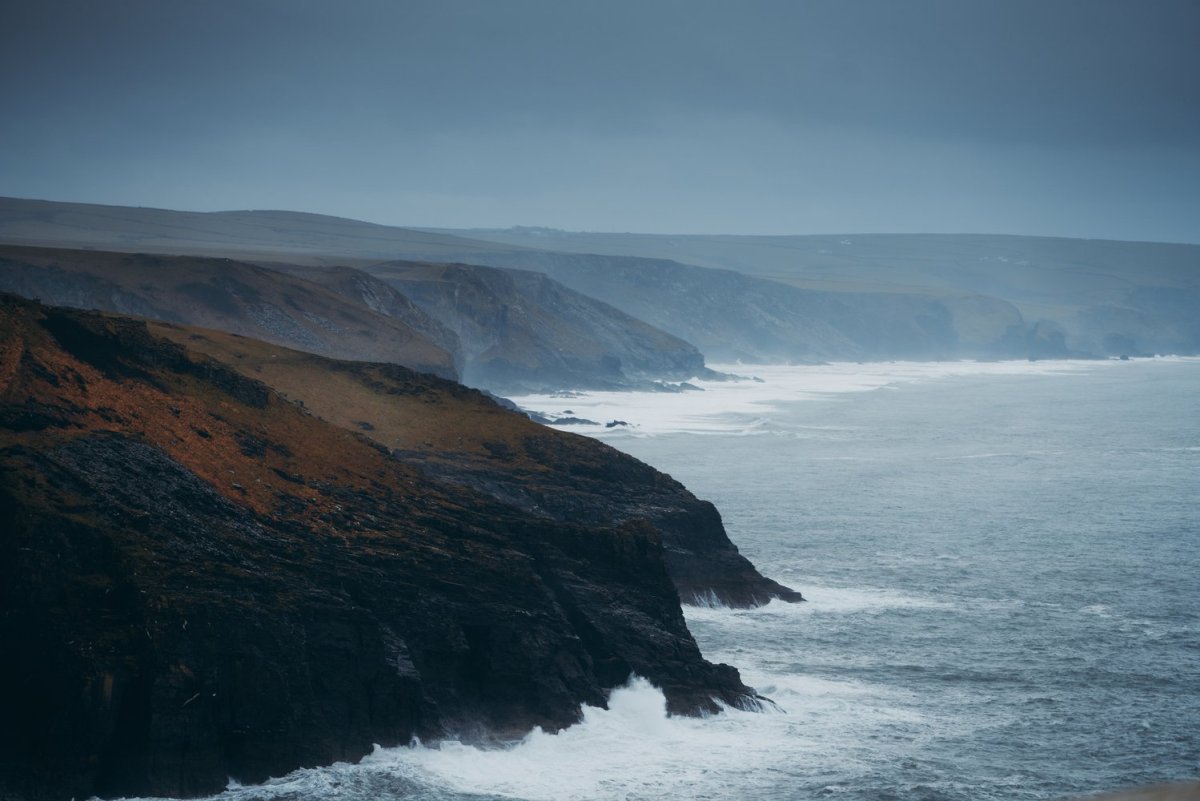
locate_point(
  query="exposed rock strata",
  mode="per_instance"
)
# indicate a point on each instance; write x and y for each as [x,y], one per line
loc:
[380,297]
[1108,297]
[200,579]
[233,296]
[732,316]
[523,331]
[462,436]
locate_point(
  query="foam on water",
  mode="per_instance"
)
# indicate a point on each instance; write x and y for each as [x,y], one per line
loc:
[820,600]
[954,645]
[830,731]
[749,406]
[634,751]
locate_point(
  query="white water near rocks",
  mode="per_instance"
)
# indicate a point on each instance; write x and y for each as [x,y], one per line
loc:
[1002,566]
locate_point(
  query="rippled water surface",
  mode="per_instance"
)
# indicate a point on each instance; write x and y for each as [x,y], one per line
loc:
[1003,571]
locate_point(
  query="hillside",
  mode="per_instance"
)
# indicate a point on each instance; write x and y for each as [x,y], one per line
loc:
[504,330]
[202,579]
[380,297]
[233,296]
[864,296]
[732,316]
[1108,296]
[522,331]
[463,437]
[726,317]
[288,236]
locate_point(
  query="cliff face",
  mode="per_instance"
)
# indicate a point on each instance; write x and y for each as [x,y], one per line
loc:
[233,296]
[463,437]
[733,316]
[382,298]
[1107,297]
[200,579]
[523,331]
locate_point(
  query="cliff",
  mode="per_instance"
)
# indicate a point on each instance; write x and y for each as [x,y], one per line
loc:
[1106,296]
[733,316]
[463,437]
[201,579]
[505,330]
[942,294]
[234,296]
[380,297]
[523,331]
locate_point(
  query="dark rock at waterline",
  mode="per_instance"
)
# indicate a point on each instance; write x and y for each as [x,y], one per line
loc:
[463,437]
[583,481]
[165,630]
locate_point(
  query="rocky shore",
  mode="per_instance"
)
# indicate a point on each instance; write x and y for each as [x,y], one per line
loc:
[202,578]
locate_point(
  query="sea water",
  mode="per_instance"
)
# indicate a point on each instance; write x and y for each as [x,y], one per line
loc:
[1002,567]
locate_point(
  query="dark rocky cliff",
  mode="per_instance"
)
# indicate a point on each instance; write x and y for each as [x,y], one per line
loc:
[463,437]
[200,579]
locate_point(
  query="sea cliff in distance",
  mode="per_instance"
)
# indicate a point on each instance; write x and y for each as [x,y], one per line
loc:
[1068,296]
[224,558]
[250,522]
[507,331]
[754,299]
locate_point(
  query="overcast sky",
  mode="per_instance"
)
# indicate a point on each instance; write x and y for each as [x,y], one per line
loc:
[1057,117]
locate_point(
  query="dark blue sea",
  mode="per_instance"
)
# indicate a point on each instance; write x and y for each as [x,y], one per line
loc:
[1002,566]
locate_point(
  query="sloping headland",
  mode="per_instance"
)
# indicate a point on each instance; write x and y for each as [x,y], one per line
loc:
[1104,297]
[800,298]
[508,331]
[234,296]
[523,331]
[203,577]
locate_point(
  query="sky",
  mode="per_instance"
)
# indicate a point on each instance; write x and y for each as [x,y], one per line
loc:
[1046,117]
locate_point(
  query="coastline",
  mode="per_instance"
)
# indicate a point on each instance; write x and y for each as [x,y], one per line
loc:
[743,406]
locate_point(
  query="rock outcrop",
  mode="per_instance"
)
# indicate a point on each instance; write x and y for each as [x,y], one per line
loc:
[732,316]
[523,331]
[382,298]
[234,296]
[1107,297]
[463,437]
[201,579]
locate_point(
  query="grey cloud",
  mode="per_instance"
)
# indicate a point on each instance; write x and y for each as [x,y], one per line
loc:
[547,112]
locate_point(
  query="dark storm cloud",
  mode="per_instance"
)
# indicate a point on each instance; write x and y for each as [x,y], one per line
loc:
[459,113]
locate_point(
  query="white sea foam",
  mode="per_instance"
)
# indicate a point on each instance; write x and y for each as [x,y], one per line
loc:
[852,722]
[820,600]
[748,407]
[1099,610]
[634,751]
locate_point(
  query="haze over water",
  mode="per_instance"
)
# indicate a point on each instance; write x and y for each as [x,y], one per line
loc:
[1003,587]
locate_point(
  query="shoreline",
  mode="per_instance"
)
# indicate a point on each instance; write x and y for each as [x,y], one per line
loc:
[744,406]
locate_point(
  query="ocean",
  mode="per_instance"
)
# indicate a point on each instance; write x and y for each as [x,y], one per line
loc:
[1002,567]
